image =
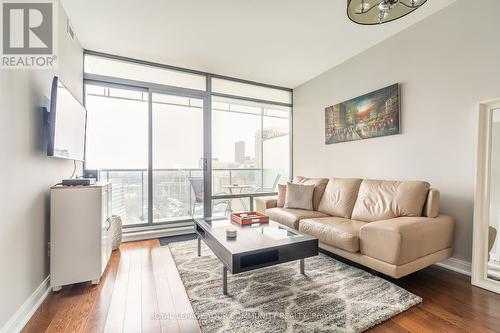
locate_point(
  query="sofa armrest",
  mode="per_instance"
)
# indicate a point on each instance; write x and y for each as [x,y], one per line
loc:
[263,203]
[431,207]
[401,240]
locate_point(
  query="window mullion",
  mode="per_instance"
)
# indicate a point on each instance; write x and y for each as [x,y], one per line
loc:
[150,158]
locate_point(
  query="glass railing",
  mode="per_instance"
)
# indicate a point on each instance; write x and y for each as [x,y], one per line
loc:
[178,193]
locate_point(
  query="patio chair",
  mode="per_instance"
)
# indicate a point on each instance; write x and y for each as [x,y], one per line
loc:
[197,187]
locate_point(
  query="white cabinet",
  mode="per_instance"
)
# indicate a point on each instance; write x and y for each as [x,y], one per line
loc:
[80,244]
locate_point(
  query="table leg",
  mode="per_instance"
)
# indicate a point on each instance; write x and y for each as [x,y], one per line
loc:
[224,280]
[302,266]
[199,246]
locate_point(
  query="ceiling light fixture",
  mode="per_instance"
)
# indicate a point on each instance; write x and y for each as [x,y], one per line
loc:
[364,12]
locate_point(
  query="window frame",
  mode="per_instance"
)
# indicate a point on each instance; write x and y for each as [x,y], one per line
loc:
[206,96]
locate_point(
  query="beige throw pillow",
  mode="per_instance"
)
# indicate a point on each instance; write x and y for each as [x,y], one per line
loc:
[299,196]
[319,187]
[281,195]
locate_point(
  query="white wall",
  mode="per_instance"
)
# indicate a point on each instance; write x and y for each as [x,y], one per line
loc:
[446,64]
[27,172]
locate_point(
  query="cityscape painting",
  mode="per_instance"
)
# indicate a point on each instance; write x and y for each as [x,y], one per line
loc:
[371,115]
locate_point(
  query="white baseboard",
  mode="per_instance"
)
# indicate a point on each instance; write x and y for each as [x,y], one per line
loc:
[151,234]
[21,317]
[457,265]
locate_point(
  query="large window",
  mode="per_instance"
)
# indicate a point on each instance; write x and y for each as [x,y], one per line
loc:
[149,133]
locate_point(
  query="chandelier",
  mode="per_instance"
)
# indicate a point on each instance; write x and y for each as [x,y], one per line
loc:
[370,12]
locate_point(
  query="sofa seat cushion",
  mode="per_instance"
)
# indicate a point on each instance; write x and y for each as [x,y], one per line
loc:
[334,231]
[291,217]
[383,199]
[339,197]
[404,239]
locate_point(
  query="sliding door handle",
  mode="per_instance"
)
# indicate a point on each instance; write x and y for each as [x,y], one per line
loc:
[108,224]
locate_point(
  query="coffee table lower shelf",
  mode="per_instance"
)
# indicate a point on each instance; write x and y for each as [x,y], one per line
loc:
[225,269]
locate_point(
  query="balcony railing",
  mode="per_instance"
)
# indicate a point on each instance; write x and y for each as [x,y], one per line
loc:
[174,197]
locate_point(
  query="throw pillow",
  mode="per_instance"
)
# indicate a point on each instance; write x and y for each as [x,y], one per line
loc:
[281,195]
[299,196]
[319,187]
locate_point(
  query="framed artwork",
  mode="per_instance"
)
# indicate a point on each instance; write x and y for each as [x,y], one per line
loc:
[369,116]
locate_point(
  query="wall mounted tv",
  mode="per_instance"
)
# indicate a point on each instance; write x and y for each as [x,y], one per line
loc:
[66,123]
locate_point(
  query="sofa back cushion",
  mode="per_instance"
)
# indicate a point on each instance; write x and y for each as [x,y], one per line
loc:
[384,199]
[319,187]
[339,197]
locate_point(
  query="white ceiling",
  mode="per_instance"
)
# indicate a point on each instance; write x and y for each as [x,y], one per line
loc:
[282,42]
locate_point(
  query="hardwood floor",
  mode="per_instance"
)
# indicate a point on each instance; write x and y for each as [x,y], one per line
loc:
[141,291]
[450,304]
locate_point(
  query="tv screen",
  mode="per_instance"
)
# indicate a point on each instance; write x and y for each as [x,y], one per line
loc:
[67,121]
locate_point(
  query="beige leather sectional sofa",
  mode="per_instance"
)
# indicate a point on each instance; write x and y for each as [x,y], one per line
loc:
[393,227]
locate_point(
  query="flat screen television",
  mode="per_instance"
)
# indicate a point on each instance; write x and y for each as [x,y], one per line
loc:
[66,123]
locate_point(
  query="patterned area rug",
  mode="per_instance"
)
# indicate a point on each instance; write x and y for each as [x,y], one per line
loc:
[331,297]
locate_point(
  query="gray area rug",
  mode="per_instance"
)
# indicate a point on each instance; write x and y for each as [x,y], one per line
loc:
[331,297]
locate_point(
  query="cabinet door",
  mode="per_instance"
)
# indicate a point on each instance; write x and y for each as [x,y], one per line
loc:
[105,226]
[110,212]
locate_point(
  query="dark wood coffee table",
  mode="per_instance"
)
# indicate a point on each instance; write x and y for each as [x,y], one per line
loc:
[256,245]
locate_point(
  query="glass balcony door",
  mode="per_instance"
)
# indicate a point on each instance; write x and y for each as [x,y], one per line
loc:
[149,145]
[250,151]
[117,146]
[177,157]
